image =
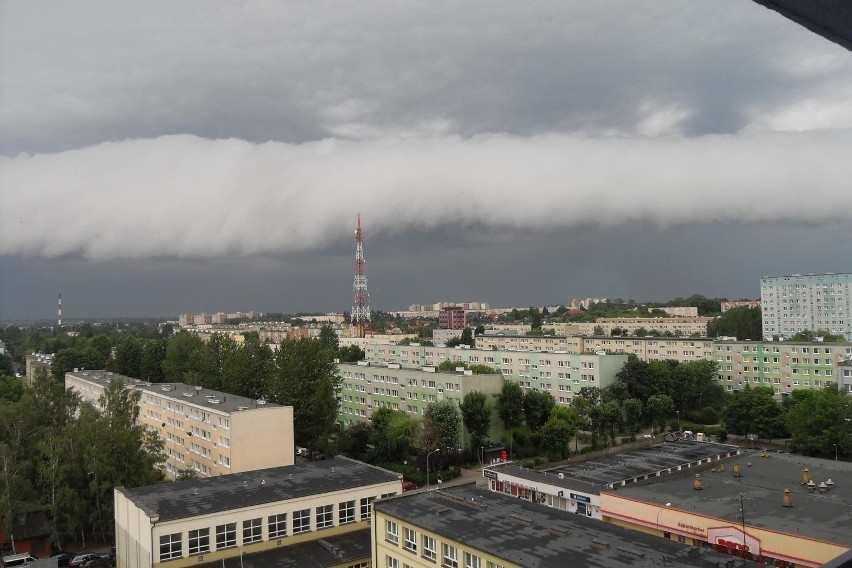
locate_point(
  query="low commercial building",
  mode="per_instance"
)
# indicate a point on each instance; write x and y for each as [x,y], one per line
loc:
[469,527]
[577,488]
[783,365]
[210,432]
[253,517]
[765,507]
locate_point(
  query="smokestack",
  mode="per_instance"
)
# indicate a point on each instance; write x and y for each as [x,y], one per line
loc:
[59,311]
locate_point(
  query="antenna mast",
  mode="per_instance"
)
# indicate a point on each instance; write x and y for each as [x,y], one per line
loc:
[360,296]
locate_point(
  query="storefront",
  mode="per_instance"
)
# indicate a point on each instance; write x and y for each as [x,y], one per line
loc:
[538,487]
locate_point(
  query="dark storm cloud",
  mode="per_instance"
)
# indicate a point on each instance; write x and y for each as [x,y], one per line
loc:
[76,74]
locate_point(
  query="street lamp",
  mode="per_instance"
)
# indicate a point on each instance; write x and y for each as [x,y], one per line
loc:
[835,451]
[658,514]
[481,455]
[678,420]
[427,465]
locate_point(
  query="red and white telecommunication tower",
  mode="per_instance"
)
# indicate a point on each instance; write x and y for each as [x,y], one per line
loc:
[360,296]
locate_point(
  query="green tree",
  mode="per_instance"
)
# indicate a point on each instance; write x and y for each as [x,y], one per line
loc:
[742,323]
[11,389]
[557,432]
[754,411]
[151,363]
[441,426]
[305,377]
[247,369]
[128,356]
[355,440]
[328,339]
[467,337]
[187,358]
[351,354]
[658,408]
[510,408]
[633,414]
[476,415]
[812,335]
[817,421]
[535,317]
[537,407]
[599,330]
[480,330]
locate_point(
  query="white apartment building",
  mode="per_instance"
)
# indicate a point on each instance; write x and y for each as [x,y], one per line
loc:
[210,432]
[795,303]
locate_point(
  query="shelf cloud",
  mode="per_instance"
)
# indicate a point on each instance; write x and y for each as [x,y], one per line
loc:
[185,196]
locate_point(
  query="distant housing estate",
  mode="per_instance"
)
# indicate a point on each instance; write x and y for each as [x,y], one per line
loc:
[207,431]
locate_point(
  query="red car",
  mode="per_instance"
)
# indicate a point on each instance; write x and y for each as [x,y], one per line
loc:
[408,485]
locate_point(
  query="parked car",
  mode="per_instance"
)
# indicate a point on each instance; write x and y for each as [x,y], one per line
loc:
[18,559]
[408,485]
[300,451]
[98,562]
[64,558]
[77,561]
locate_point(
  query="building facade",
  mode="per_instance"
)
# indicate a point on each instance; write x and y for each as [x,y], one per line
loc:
[782,365]
[740,304]
[204,521]
[560,374]
[37,361]
[452,317]
[209,432]
[678,326]
[811,302]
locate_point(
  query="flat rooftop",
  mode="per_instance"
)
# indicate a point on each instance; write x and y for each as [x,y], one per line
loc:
[199,396]
[825,515]
[191,498]
[320,553]
[601,473]
[533,535]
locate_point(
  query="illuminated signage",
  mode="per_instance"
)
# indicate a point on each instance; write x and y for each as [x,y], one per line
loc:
[581,498]
[489,473]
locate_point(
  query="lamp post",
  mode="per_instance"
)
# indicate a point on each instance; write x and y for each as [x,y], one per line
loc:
[658,514]
[678,420]
[481,455]
[427,465]
[835,451]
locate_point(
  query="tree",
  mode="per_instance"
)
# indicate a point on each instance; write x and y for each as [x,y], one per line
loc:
[187,357]
[305,377]
[246,370]
[599,330]
[128,356]
[754,411]
[476,415]
[11,389]
[151,364]
[480,330]
[812,335]
[441,426]
[556,433]
[742,323]
[467,337]
[510,404]
[328,339]
[535,317]
[695,384]
[658,408]
[817,421]
[355,440]
[537,407]
[633,414]
[351,354]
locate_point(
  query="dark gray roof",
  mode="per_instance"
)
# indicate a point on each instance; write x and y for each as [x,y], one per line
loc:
[208,398]
[186,499]
[600,473]
[825,516]
[319,553]
[534,535]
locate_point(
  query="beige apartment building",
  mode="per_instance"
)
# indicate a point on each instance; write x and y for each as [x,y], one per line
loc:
[209,432]
[783,365]
[677,326]
[269,514]
[560,374]
[35,362]
[514,342]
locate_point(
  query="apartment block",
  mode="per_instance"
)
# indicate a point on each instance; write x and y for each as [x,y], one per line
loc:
[369,386]
[740,304]
[681,311]
[783,366]
[210,432]
[790,304]
[261,518]
[680,349]
[516,342]
[560,374]
[37,361]
[677,326]
[452,317]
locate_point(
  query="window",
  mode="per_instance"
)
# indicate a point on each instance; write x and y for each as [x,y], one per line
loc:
[199,541]
[278,525]
[325,516]
[252,530]
[392,562]
[430,548]
[366,507]
[346,512]
[472,561]
[226,536]
[392,532]
[450,555]
[494,565]
[410,542]
[170,546]
[301,521]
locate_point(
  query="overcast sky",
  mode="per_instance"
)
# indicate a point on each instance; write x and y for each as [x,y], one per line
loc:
[169,157]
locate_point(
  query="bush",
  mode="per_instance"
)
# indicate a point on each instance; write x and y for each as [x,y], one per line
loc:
[707,415]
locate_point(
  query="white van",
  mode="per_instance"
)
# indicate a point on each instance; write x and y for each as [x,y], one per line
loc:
[18,560]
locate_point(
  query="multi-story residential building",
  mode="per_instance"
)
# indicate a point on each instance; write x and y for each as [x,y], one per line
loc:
[677,326]
[452,317]
[369,386]
[680,349]
[515,342]
[681,311]
[560,374]
[210,432]
[516,328]
[441,336]
[37,361]
[740,304]
[790,304]
[782,365]
[313,514]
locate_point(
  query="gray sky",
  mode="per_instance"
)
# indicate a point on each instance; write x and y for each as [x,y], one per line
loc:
[169,157]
